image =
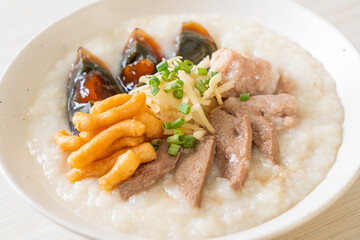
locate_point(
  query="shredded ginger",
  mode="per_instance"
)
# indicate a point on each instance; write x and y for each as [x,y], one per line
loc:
[166,106]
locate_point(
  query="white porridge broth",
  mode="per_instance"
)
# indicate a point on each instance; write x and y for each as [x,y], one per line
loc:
[307,151]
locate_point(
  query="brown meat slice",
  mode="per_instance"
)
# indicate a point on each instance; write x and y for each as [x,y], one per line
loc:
[264,133]
[233,146]
[192,169]
[149,173]
[278,109]
[251,75]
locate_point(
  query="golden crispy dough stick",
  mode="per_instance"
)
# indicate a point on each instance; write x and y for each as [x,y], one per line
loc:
[122,143]
[148,110]
[145,152]
[67,142]
[87,122]
[110,102]
[91,151]
[88,135]
[124,167]
[153,125]
[115,101]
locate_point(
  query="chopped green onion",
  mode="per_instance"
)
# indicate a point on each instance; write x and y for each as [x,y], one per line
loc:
[213,73]
[177,131]
[177,123]
[184,108]
[154,90]
[167,125]
[178,93]
[154,81]
[171,76]
[189,142]
[156,147]
[201,71]
[177,68]
[184,67]
[189,63]
[201,87]
[244,96]
[165,74]
[206,80]
[174,149]
[156,142]
[168,89]
[177,139]
[162,66]
[177,84]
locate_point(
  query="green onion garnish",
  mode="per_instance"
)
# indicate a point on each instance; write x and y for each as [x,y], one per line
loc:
[168,89]
[177,84]
[162,66]
[165,74]
[177,68]
[184,108]
[177,139]
[156,147]
[154,81]
[213,73]
[189,142]
[184,67]
[177,123]
[171,76]
[174,149]
[189,63]
[154,90]
[167,125]
[156,142]
[201,71]
[201,87]
[244,96]
[177,131]
[206,80]
[178,93]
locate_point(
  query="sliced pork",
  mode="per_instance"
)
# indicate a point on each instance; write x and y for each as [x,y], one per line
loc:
[149,173]
[193,167]
[264,133]
[233,146]
[278,109]
[251,75]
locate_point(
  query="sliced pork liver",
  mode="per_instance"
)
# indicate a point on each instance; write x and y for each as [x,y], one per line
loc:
[251,75]
[278,109]
[149,173]
[233,146]
[193,167]
[264,134]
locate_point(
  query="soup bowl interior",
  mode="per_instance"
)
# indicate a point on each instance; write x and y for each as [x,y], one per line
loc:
[21,80]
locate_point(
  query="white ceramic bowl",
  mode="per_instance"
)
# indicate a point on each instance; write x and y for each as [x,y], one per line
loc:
[315,35]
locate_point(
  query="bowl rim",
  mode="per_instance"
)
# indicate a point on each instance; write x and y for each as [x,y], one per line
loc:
[272,233]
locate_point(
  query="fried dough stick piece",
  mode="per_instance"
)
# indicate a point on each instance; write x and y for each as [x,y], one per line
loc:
[110,102]
[88,122]
[67,142]
[121,143]
[124,167]
[153,125]
[115,101]
[145,152]
[91,151]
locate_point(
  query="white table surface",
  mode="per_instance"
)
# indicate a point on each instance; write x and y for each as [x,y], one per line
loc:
[20,20]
